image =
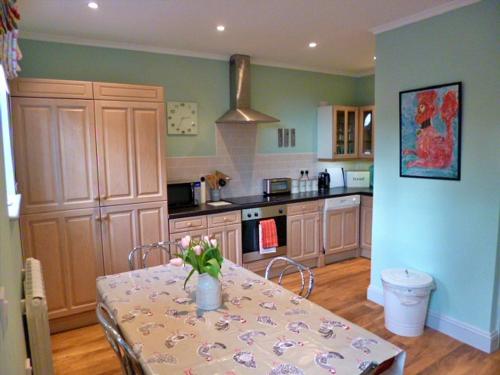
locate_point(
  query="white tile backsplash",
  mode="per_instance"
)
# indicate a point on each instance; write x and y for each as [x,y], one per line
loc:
[237,157]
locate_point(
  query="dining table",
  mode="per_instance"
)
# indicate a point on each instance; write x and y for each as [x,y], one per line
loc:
[260,328]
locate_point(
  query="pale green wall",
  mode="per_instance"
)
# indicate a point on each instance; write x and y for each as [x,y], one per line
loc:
[290,95]
[447,228]
[365,90]
[12,347]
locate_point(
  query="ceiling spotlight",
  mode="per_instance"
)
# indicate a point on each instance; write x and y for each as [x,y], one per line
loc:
[313,44]
[93,5]
[221,28]
[374,57]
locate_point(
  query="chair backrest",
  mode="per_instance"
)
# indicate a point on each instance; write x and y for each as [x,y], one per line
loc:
[302,270]
[138,257]
[128,359]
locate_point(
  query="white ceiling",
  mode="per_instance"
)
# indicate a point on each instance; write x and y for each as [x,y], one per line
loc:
[273,32]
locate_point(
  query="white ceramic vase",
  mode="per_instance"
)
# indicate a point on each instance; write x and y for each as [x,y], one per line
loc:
[208,292]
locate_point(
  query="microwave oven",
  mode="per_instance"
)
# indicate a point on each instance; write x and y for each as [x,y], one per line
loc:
[181,194]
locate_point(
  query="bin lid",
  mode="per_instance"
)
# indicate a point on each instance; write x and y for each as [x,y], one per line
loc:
[407,278]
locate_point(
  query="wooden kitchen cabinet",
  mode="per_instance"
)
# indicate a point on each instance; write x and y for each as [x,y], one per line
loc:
[346,132]
[92,177]
[54,144]
[196,235]
[345,123]
[342,230]
[50,88]
[303,235]
[128,92]
[127,226]
[229,239]
[224,227]
[366,226]
[366,130]
[68,244]
[130,152]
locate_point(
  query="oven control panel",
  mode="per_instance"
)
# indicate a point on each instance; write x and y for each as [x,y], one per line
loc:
[262,212]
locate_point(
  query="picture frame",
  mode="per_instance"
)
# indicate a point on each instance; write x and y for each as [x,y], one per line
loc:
[430,127]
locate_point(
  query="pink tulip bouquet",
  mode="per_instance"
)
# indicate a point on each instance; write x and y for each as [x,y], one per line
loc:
[203,255]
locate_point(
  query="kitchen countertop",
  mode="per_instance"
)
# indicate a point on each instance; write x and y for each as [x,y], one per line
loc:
[241,203]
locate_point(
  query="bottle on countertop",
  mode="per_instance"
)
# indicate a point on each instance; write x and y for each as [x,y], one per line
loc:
[197,192]
[203,190]
[302,182]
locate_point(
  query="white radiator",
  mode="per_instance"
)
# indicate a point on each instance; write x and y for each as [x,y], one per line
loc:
[37,319]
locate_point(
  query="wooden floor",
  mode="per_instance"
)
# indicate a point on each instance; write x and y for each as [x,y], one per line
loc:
[341,288]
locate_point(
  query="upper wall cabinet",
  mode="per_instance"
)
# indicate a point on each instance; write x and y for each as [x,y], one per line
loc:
[55,144]
[130,144]
[121,91]
[342,134]
[366,132]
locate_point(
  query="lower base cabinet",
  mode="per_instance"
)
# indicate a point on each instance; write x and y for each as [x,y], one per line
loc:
[229,239]
[224,227]
[127,226]
[366,226]
[68,244]
[304,230]
[77,246]
[342,230]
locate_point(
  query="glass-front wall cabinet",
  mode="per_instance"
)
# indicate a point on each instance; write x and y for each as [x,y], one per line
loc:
[345,132]
[366,131]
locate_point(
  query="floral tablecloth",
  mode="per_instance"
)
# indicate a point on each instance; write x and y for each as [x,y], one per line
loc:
[261,328]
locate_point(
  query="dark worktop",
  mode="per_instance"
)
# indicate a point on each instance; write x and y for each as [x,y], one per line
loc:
[241,203]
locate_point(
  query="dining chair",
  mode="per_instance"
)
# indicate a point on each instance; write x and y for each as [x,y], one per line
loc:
[136,261]
[128,359]
[301,268]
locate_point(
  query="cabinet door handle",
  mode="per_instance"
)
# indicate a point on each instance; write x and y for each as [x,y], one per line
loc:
[225,219]
[189,224]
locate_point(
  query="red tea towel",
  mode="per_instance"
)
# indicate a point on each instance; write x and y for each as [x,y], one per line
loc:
[269,233]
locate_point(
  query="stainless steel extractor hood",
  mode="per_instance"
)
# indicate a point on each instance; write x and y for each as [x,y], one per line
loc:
[239,93]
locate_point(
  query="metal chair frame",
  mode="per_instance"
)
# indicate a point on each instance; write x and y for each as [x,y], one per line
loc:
[128,359]
[163,246]
[302,269]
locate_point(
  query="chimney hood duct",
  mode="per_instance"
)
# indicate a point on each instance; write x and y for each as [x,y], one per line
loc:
[239,92]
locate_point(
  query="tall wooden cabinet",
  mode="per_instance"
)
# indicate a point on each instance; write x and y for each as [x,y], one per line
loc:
[90,162]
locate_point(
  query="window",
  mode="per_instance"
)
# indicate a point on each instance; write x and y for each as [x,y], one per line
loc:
[13,200]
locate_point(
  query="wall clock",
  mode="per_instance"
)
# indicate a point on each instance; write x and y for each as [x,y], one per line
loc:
[182,118]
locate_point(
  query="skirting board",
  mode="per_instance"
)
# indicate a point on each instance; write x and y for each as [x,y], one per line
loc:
[464,332]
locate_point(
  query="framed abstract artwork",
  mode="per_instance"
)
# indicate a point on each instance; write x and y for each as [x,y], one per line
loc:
[430,131]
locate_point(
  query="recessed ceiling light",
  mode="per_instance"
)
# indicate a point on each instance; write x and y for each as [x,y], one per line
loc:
[313,45]
[221,28]
[374,57]
[93,5]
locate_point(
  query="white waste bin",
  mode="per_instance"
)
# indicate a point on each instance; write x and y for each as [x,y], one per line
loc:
[406,297]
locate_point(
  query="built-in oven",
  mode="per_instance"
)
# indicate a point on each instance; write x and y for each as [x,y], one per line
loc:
[250,219]
[181,194]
